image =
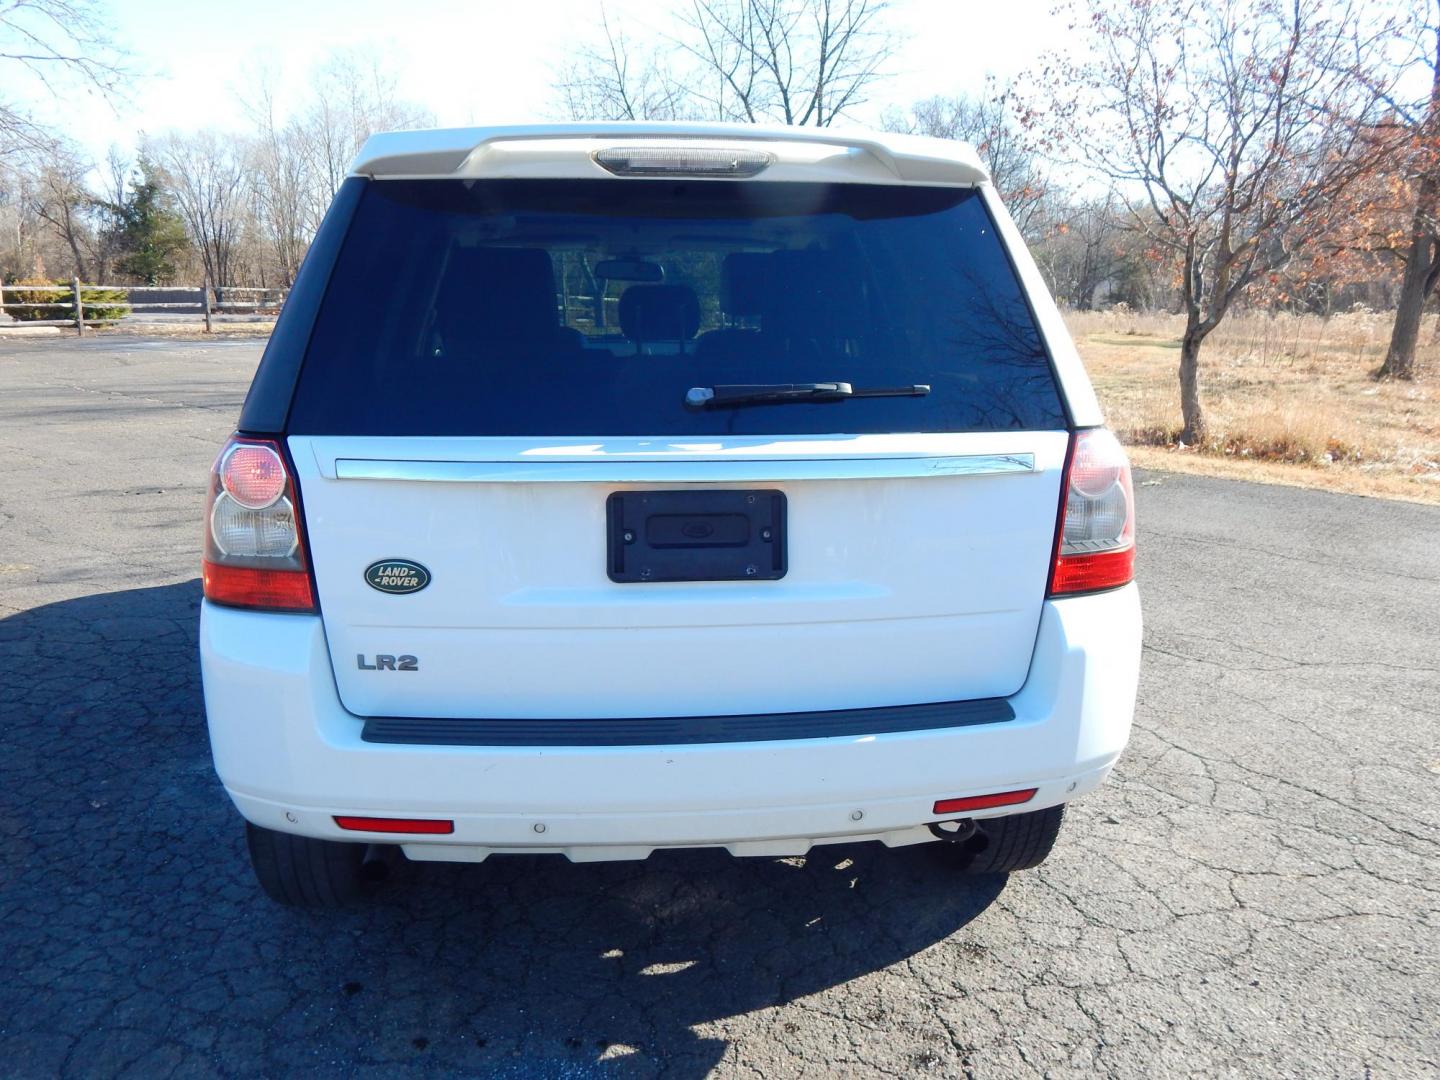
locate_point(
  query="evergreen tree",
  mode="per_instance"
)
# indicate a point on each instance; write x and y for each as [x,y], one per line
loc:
[148,231]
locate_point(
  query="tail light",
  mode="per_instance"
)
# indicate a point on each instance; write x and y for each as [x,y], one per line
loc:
[1095,541]
[254,551]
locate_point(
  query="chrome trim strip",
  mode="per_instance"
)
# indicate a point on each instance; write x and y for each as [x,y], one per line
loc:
[681,470]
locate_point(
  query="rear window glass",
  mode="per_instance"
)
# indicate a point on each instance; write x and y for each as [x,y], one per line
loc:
[591,307]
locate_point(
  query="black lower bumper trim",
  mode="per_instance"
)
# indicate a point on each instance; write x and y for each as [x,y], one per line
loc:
[681,730]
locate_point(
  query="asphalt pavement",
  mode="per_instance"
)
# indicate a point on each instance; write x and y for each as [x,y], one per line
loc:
[1253,894]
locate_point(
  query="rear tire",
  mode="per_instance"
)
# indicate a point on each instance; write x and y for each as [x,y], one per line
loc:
[1004,844]
[300,871]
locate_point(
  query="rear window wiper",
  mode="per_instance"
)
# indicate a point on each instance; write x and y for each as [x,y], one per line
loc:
[715,397]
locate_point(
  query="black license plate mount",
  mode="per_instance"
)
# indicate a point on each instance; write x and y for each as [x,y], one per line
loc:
[656,536]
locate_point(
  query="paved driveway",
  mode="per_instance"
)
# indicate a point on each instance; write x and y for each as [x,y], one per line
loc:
[1253,894]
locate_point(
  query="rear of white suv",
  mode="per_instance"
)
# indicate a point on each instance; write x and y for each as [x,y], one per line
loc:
[614,487]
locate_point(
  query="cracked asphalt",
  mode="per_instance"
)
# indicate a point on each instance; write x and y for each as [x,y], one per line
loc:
[1253,894]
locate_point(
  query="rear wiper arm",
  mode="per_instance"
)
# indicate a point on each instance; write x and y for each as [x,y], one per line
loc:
[713,397]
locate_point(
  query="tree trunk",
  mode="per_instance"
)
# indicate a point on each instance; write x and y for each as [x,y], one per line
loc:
[74,241]
[1421,269]
[1415,288]
[1194,431]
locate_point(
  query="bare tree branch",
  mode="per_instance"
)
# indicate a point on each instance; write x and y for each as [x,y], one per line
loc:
[754,61]
[56,42]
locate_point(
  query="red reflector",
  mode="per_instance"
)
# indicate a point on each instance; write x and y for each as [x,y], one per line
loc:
[1085,573]
[242,586]
[395,824]
[984,802]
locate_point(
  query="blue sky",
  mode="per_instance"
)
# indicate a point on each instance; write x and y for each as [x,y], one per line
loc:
[473,61]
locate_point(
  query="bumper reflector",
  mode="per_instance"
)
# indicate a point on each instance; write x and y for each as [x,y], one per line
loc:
[984,802]
[428,826]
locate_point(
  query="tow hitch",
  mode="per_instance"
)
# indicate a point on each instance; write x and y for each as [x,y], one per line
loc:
[954,832]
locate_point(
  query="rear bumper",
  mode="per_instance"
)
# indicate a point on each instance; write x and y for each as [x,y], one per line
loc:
[291,757]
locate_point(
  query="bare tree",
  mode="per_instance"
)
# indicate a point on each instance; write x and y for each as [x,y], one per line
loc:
[1087,256]
[609,81]
[114,182]
[795,61]
[281,183]
[56,42]
[1227,128]
[296,163]
[987,122]
[802,62]
[283,194]
[59,197]
[353,95]
[20,254]
[206,173]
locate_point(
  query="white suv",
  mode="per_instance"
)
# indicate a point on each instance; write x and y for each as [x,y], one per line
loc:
[606,488]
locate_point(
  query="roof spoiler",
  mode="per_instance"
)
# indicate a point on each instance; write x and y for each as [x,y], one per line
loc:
[566,150]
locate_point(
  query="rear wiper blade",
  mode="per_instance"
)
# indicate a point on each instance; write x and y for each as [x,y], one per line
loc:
[712,397]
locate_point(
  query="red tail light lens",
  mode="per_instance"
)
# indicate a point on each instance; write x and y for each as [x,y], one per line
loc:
[253,475]
[1095,541]
[241,586]
[254,557]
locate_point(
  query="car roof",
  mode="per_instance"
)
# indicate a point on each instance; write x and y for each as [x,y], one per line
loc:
[828,154]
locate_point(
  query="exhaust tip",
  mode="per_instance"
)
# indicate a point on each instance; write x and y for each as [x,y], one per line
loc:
[375,867]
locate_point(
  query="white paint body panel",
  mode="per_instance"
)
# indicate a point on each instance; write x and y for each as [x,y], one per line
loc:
[284,744]
[901,588]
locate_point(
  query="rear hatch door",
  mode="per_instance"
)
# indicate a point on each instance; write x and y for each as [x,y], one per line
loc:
[497,365]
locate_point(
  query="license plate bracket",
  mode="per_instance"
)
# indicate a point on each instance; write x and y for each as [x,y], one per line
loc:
[658,536]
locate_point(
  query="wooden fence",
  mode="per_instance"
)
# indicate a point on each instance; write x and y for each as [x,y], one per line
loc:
[208,303]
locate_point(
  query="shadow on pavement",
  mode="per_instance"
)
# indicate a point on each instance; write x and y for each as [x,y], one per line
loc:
[134,937]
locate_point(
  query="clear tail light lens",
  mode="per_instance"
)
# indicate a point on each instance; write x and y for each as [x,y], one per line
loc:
[268,532]
[254,557]
[1095,545]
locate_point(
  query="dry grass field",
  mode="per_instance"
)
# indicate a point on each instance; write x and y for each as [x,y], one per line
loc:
[1290,399]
